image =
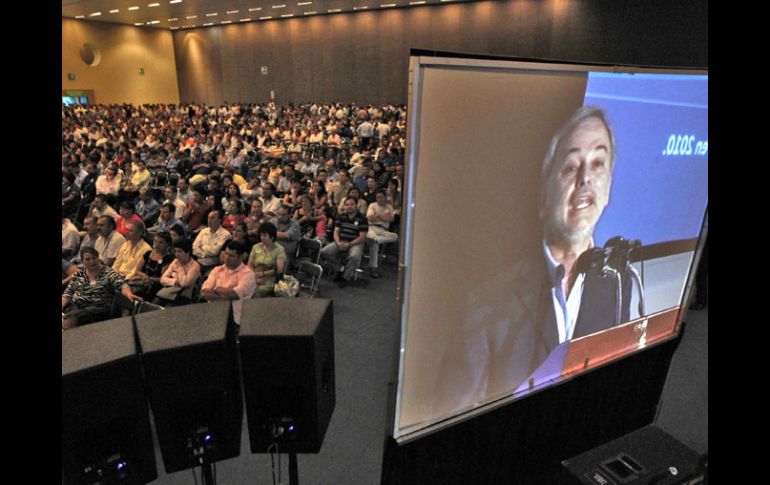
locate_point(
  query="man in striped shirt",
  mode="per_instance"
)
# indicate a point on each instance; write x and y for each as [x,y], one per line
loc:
[349,238]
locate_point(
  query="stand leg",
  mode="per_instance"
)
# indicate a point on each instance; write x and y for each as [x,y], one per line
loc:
[293,473]
[207,474]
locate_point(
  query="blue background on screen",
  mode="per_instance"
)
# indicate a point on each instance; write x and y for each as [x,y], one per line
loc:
[657,193]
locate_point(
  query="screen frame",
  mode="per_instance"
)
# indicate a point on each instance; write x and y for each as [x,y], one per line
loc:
[417,64]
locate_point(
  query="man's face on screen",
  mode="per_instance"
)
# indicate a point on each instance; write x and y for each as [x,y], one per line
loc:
[578,185]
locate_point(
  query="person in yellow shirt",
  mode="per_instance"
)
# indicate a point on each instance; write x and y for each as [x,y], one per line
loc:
[131,252]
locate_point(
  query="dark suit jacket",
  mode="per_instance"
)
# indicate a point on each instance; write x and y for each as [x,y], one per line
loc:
[511,329]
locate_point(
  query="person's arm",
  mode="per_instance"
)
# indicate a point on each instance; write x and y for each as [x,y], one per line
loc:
[360,239]
[336,237]
[198,245]
[126,291]
[207,290]
[372,216]
[280,262]
[169,277]
[189,277]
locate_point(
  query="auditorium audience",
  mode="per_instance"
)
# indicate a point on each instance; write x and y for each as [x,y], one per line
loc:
[172,168]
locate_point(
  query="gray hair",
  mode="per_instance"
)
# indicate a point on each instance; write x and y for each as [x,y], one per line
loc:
[582,114]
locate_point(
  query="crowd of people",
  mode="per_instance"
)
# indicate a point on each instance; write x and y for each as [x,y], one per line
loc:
[181,203]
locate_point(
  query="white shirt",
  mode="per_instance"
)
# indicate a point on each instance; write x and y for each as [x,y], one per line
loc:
[566,309]
[208,245]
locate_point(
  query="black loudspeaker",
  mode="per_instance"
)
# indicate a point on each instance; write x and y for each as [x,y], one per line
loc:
[647,456]
[287,360]
[106,435]
[191,372]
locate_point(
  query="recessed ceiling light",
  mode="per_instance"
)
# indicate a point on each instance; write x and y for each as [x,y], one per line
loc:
[95,14]
[287,15]
[175,1]
[226,22]
[80,16]
[210,23]
[266,18]
[232,11]
[153,22]
[388,5]
[311,13]
[335,10]
[138,23]
[173,20]
[212,14]
[255,9]
[360,8]
[245,20]
[115,10]
[153,5]
[417,3]
[280,6]
[133,8]
[304,3]
[192,16]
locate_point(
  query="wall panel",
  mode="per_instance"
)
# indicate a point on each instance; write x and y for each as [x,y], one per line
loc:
[124,50]
[363,57]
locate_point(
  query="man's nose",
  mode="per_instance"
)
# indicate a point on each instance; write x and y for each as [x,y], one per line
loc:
[583,175]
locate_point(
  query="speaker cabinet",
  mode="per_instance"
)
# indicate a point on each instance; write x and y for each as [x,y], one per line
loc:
[106,435]
[287,360]
[191,373]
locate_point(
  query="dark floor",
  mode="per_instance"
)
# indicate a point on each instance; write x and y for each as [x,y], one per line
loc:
[365,333]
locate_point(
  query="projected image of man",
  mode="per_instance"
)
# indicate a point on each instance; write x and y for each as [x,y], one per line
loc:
[566,288]
[577,174]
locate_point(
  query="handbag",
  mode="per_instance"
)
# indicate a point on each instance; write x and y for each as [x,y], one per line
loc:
[288,286]
[169,292]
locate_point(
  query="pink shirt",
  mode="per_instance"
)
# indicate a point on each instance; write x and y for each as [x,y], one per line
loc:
[241,280]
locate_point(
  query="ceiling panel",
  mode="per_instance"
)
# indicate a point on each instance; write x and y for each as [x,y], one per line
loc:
[179,14]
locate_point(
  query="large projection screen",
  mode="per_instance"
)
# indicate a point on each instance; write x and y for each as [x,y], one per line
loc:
[517,274]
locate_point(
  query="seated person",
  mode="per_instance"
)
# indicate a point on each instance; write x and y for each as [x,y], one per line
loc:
[349,238]
[289,232]
[127,214]
[109,241]
[380,216]
[267,260]
[100,207]
[88,297]
[232,281]
[234,215]
[166,220]
[146,207]
[362,205]
[209,242]
[131,252]
[180,277]
[70,238]
[146,281]
[90,234]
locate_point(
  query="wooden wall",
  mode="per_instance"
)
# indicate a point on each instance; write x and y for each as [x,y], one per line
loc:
[364,57]
[124,50]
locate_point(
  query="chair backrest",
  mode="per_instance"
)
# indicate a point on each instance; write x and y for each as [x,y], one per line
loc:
[161,177]
[173,179]
[309,250]
[314,272]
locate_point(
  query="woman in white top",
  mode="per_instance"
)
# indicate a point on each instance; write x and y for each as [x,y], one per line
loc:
[180,277]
